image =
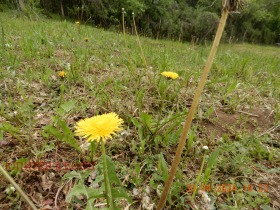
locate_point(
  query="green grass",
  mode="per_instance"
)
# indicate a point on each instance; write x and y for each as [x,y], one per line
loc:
[38,111]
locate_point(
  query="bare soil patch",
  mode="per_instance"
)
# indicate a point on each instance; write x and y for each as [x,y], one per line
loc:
[255,120]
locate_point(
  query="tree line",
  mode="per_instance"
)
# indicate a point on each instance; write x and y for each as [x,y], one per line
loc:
[183,20]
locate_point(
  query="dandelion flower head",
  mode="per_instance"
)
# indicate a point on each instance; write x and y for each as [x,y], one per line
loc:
[61,74]
[77,22]
[99,127]
[170,74]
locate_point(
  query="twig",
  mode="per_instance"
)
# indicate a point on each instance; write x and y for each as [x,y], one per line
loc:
[269,130]
[269,114]
[248,113]
[56,195]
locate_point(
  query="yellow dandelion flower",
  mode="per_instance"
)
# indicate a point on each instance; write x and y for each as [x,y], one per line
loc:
[100,127]
[170,74]
[61,74]
[77,22]
[86,39]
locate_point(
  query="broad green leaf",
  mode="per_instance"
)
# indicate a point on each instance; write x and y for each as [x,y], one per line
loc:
[112,172]
[231,88]
[68,106]
[190,140]
[50,129]
[89,193]
[265,207]
[78,175]
[146,119]
[9,128]
[120,193]
[78,189]
[163,167]
[211,162]
[136,123]
[71,175]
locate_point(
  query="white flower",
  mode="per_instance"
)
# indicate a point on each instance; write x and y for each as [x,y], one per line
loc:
[205,147]
[8,45]
[68,66]
[9,189]
[205,198]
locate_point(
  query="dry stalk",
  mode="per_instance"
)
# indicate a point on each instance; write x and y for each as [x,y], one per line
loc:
[228,6]
[20,191]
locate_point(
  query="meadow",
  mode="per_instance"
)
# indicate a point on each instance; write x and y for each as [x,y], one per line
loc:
[236,130]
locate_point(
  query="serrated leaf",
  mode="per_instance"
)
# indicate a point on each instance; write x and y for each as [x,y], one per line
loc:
[77,190]
[81,189]
[50,129]
[146,119]
[68,106]
[71,175]
[78,175]
[112,171]
[120,193]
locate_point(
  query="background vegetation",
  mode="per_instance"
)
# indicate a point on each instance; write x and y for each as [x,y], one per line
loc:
[184,20]
[237,119]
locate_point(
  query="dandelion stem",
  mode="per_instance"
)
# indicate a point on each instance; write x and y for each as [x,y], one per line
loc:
[11,180]
[108,190]
[91,152]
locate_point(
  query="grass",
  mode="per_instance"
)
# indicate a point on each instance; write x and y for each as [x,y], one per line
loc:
[238,114]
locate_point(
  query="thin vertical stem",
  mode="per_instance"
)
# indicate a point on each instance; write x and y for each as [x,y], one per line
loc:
[198,177]
[142,52]
[140,46]
[109,197]
[123,26]
[125,43]
[91,152]
[11,180]
[190,116]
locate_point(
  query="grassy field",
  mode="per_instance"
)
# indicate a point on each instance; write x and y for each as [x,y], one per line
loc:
[237,119]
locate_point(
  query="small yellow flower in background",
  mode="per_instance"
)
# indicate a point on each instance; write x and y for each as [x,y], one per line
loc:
[77,22]
[170,74]
[86,39]
[99,127]
[61,74]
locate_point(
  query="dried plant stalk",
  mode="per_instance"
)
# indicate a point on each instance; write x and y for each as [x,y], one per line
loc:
[228,6]
[23,195]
